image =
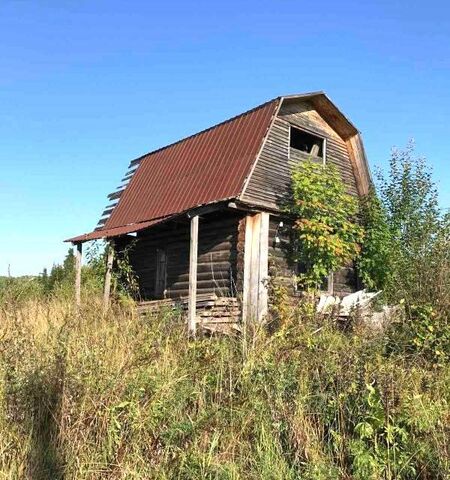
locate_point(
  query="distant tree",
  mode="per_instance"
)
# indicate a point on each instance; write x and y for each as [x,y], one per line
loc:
[61,276]
[419,250]
[44,281]
[69,265]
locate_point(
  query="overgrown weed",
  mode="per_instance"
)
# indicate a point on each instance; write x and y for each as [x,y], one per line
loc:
[89,396]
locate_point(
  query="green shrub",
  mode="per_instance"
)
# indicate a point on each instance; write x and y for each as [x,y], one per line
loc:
[328,234]
[422,333]
[375,262]
[419,259]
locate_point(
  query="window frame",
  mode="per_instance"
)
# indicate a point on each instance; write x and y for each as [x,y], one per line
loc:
[314,134]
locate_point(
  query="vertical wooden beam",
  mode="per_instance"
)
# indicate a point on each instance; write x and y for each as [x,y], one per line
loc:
[109,265]
[246,298]
[78,254]
[263,267]
[358,160]
[193,254]
[256,267]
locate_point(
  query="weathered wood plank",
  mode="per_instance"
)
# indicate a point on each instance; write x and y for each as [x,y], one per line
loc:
[78,256]
[109,265]
[193,253]
[270,179]
[255,267]
[263,272]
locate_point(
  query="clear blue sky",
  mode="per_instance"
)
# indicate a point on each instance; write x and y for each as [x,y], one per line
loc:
[86,86]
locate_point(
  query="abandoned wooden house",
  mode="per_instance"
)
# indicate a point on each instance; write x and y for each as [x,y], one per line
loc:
[205,215]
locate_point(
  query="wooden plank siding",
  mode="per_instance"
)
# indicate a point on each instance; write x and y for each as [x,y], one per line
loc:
[269,182]
[217,256]
[270,178]
[304,116]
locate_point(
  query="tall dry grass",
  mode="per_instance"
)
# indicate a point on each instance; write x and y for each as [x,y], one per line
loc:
[87,396]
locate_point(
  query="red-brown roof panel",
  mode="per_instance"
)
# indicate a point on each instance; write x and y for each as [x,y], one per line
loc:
[204,168]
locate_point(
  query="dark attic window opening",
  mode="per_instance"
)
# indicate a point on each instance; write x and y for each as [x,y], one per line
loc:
[306,142]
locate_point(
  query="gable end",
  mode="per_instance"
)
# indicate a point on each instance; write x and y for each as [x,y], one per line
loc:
[269,183]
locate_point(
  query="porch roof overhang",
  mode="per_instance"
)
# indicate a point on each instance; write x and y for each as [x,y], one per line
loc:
[117,231]
[97,234]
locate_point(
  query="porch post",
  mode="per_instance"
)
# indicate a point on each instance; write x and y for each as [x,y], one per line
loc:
[256,265]
[109,264]
[263,268]
[78,253]
[247,310]
[193,254]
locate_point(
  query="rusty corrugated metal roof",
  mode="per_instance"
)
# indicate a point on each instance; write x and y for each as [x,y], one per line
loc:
[206,167]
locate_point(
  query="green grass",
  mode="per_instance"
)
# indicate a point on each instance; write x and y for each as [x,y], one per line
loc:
[124,397]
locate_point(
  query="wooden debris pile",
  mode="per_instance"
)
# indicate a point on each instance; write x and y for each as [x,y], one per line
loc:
[213,313]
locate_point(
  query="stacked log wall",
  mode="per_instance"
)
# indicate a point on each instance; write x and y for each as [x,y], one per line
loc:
[283,268]
[217,257]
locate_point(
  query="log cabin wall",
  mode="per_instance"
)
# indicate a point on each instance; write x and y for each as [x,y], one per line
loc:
[269,183]
[217,257]
[345,281]
[284,269]
[281,266]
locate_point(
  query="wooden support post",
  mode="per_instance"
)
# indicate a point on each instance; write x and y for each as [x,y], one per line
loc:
[193,254]
[109,265]
[246,299]
[263,267]
[256,266]
[78,254]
